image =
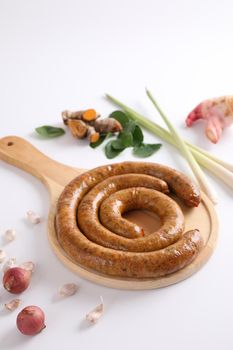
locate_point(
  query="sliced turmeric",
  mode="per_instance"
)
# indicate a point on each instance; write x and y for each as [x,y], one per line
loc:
[78,128]
[89,115]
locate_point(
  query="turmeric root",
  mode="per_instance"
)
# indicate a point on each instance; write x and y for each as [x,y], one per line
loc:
[78,128]
[86,123]
[92,134]
[87,115]
[107,125]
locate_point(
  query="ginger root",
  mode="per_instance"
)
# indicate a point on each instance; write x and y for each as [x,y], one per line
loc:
[217,113]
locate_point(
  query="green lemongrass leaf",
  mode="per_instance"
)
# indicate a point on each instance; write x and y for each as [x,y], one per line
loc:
[120,117]
[146,149]
[123,141]
[101,140]
[49,132]
[137,136]
[111,152]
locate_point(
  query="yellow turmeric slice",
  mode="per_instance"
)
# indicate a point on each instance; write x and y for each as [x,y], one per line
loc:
[78,128]
[89,115]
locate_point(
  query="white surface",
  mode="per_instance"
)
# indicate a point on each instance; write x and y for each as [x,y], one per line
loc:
[66,54]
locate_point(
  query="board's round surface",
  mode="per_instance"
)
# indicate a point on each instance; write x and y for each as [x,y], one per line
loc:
[203,218]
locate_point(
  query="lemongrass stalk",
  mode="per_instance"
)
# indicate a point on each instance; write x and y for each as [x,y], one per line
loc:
[211,156]
[200,176]
[218,170]
[213,165]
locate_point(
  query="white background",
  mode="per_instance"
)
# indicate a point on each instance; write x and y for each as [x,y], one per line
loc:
[65,54]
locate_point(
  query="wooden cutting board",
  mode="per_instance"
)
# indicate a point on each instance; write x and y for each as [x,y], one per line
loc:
[20,153]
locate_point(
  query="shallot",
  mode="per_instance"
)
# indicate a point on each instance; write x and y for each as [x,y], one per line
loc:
[218,114]
[30,320]
[16,280]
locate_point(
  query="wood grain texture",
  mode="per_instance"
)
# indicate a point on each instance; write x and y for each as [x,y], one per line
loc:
[55,176]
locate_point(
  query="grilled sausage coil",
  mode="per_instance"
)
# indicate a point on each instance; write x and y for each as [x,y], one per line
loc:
[92,231]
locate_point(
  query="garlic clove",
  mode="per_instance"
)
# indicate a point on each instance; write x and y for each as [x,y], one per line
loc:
[2,255]
[33,217]
[10,235]
[68,289]
[13,304]
[9,264]
[94,315]
[28,265]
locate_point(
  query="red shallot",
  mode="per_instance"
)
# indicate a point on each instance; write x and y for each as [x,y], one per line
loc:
[30,320]
[16,280]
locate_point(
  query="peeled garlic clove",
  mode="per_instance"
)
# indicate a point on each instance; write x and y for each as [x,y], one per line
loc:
[28,265]
[10,235]
[2,256]
[96,313]
[13,304]
[33,218]
[68,289]
[9,264]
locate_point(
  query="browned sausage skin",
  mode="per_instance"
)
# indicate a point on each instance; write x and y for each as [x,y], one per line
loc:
[91,190]
[135,198]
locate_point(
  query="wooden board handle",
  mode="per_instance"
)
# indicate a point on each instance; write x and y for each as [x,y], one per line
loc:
[20,153]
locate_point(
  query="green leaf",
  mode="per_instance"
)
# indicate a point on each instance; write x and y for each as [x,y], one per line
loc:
[49,131]
[123,141]
[146,149]
[101,140]
[137,136]
[121,117]
[111,152]
[130,127]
